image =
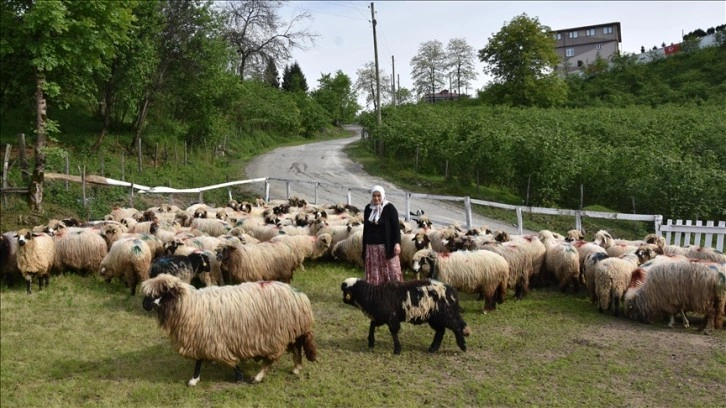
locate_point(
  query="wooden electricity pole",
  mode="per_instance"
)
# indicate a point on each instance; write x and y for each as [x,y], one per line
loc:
[378,80]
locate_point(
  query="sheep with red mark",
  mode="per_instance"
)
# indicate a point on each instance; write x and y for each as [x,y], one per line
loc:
[480,271]
[680,287]
[612,276]
[695,252]
[615,247]
[415,302]
[128,259]
[35,257]
[229,324]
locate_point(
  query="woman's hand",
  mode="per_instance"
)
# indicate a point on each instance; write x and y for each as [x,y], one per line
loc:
[397,249]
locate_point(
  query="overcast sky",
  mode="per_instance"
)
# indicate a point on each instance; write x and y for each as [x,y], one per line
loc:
[346,34]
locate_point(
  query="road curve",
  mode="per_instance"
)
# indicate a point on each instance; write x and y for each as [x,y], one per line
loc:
[327,164]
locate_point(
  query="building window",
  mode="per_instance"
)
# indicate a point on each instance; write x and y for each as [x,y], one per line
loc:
[572,34]
[590,32]
[557,36]
[607,30]
[598,46]
[570,52]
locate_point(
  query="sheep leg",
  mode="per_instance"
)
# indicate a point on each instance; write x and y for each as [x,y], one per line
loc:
[615,305]
[394,327]
[685,320]
[372,334]
[238,376]
[438,337]
[28,283]
[266,362]
[195,377]
[297,356]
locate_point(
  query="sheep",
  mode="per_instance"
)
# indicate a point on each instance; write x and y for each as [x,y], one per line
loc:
[211,226]
[128,259]
[228,324]
[119,213]
[214,275]
[410,244]
[679,287]
[612,276]
[351,249]
[615,247]
[186,267]
[562,260]
[416,302]
[78,250]
[35,257]
[306,246]
[520,265]
[695,252]
[482,272]
[440,238]
[252,262]
[337,232]
[9,257]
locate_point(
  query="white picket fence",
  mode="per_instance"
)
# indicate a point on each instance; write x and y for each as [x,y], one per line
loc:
[709,234]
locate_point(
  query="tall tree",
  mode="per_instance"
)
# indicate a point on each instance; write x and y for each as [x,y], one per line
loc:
[521,57]
[293,79]
[257,33]
[460,60]
[335,95]
[428,68]
[271,75]
[58,46]
[366,84]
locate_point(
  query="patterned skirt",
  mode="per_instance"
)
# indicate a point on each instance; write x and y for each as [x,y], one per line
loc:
[378,268]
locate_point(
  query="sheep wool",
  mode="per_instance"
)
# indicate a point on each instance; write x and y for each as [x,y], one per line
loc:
[228,324]
[35,257]
[129,259]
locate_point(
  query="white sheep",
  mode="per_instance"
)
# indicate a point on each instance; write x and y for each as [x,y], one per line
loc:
[615,247]
[612,276]
[679,287]
[129,259]
[228,324]
[35,257]
[80,250]
[480,271]
[410,244]
[351,249]
[211,226]
[306,246]
[520,265]
[253,262]
[562,260]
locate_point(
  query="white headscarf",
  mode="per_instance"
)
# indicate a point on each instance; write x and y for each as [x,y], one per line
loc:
[377,209]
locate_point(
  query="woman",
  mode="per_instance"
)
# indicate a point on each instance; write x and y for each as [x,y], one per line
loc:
[381,239]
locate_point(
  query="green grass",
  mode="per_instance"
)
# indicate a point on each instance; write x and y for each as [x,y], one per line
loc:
[406,178]
[85,342]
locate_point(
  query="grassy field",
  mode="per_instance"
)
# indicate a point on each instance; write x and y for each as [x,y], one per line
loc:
[85,342]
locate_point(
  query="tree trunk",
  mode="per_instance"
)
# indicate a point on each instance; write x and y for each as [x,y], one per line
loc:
[106,112]
[35,198]
[140,120]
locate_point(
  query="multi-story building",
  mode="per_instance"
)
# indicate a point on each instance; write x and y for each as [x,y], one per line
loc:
[580,46]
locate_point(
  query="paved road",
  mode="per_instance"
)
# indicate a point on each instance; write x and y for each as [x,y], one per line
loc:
[327,164]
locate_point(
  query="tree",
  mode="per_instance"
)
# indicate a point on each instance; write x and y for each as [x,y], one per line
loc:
[428,68]
[403,95]
[56,46]
[460,58]
[271,75]
[337,97]
[293,79]
[366,84]
[257,33]
[521,57]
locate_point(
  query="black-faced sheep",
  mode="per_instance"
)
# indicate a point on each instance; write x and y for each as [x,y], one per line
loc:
[679,287]
[128,259]
[185,267]
[480,271]
[260,320]
[416,302]
[35,257]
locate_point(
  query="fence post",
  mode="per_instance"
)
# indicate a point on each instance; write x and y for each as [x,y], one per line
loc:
[101,162]
[316,192]
[123,166]
[467,210]
[658,221]
[408,206]
[578,217]
[156,155]
[287,189]
[349,200]
[520,224]
[22,158]
[131,199]
[83,184]
[201,197]
[267,190]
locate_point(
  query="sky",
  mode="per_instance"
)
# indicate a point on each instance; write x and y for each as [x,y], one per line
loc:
[345,32]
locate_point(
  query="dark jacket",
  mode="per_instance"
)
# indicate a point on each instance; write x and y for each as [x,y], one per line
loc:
[391,225]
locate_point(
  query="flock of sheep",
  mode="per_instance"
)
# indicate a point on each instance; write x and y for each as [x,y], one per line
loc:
[243,257]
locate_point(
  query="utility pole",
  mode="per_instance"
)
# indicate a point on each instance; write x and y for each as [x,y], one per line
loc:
[393,81]
[378,79]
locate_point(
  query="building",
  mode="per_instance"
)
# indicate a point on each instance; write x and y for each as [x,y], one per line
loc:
[580,46]
[444,95]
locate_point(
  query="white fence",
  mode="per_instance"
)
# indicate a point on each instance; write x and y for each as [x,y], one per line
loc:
[711,234]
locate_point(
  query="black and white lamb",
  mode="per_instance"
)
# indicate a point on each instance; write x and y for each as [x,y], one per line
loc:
[416,302]
[185,267]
